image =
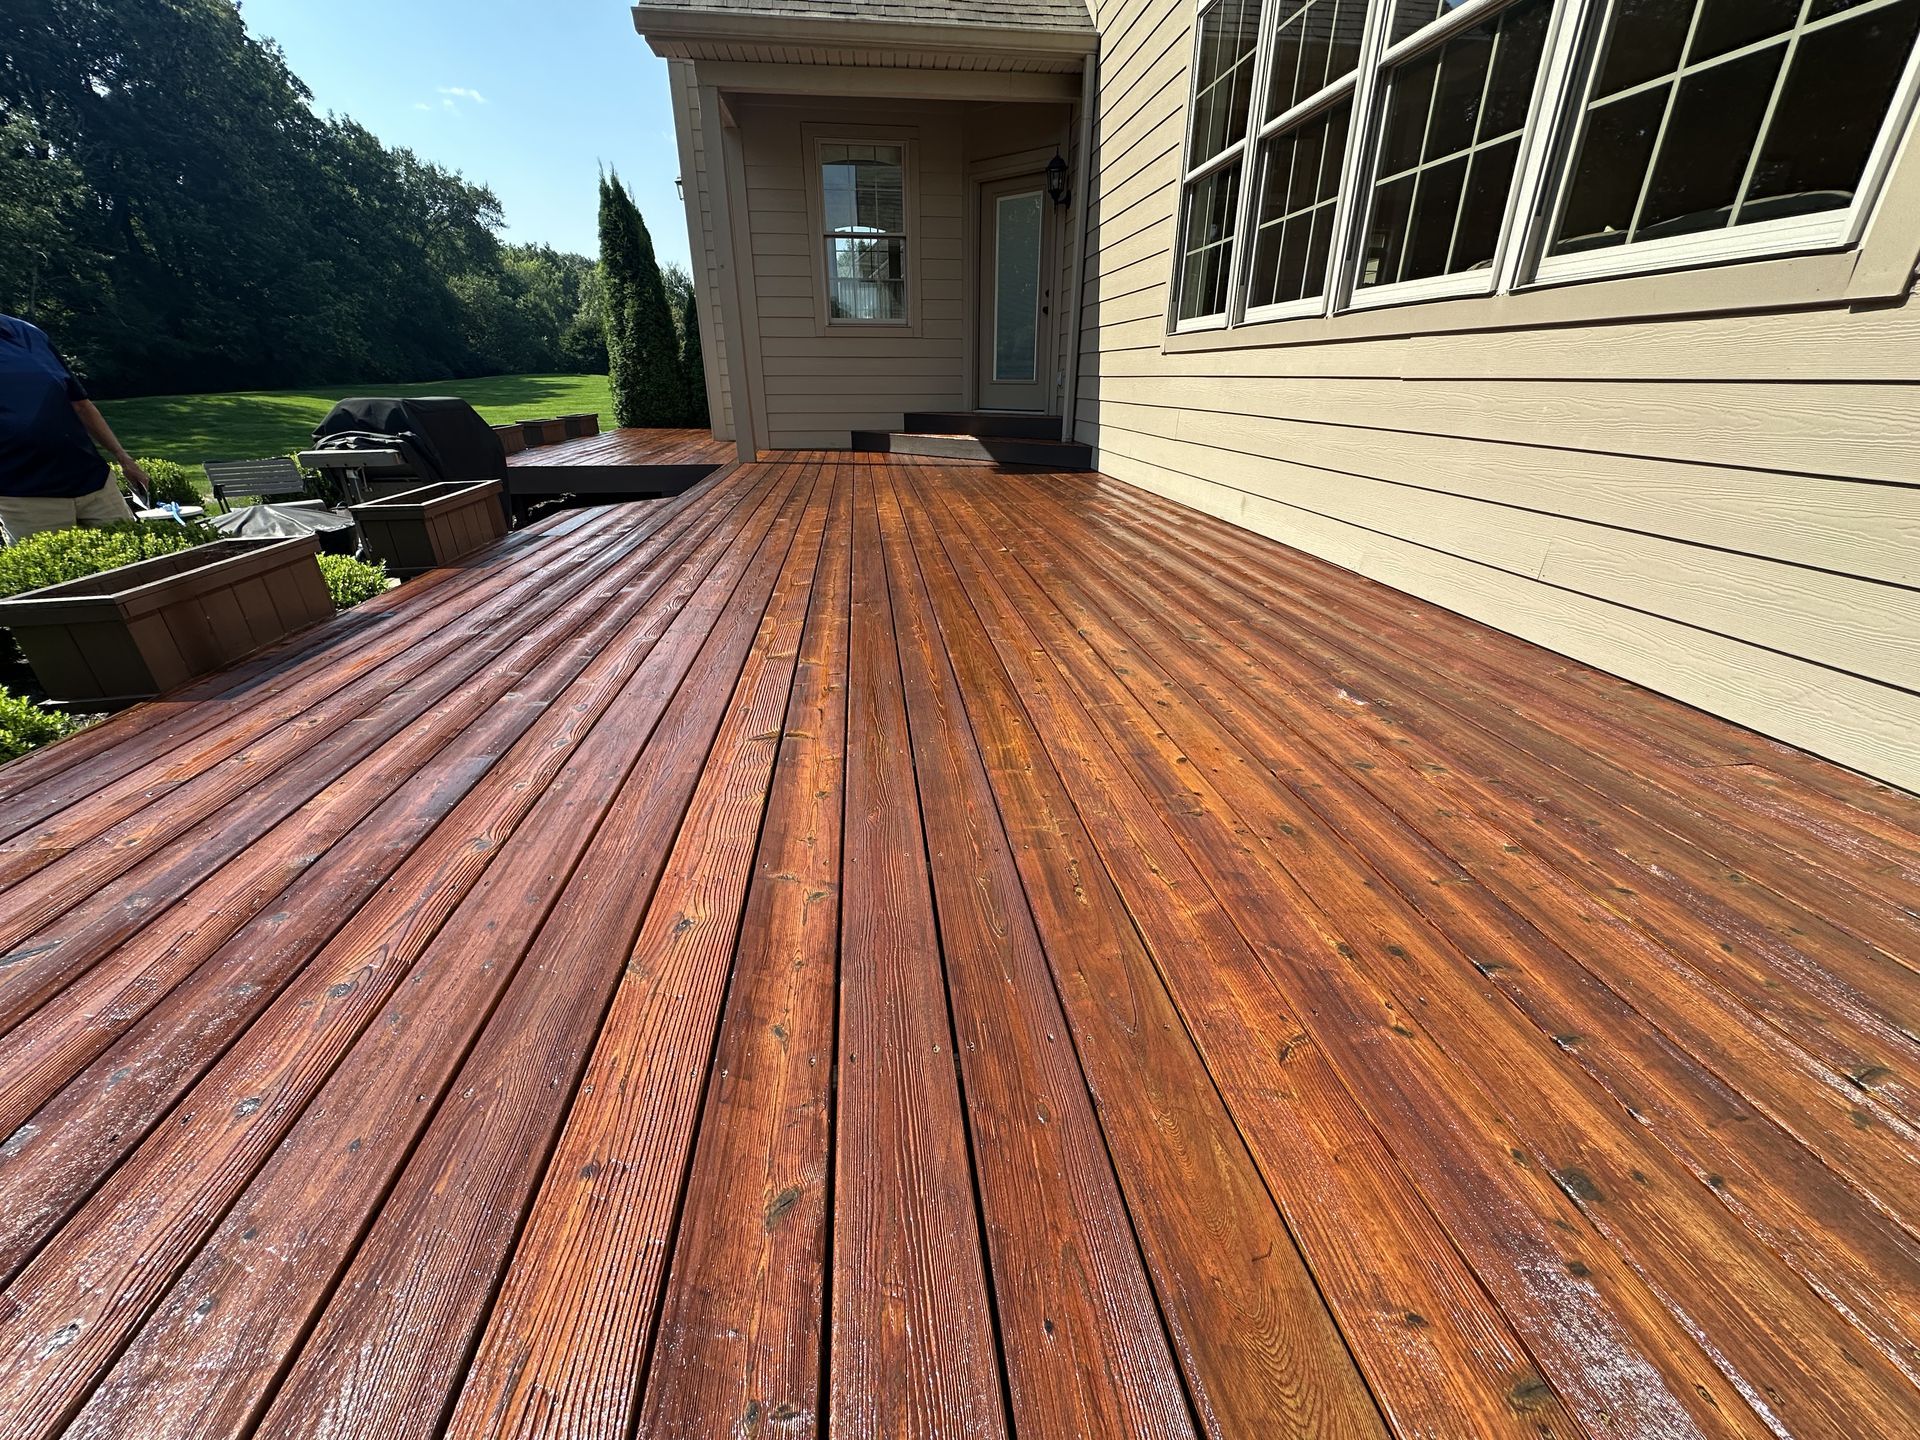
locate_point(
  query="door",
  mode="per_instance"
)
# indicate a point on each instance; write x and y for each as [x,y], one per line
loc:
[1017,278]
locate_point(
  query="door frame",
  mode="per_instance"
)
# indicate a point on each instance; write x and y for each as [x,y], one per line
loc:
[1044,387]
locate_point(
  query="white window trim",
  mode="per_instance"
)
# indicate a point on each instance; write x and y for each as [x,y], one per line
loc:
[1801,234]
[824,237]
[1555,123]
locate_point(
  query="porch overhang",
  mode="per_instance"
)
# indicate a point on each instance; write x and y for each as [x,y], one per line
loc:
[686,32]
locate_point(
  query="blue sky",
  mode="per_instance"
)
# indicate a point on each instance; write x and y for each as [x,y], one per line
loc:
[528,96]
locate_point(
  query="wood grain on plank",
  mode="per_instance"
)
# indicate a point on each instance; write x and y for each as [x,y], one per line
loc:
[1663,1221]
[76,1303]
[1257,1347]
[911,1345]
[1440,1356]
[601,1226]
[1811,1216]
[421,1283]
[74,1141]
[1086,1355]
[742,1334]
[194,893]
[1594,1329]
[240,1308]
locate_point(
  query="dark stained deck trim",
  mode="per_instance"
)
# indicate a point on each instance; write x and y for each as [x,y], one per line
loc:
[903,947]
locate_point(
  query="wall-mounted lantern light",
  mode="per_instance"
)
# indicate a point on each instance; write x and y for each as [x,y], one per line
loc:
[1057,180]
[680,187]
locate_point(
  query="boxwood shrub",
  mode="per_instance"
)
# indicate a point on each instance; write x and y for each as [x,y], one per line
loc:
[172,482]
[350,581]
[56,555]
[25,726]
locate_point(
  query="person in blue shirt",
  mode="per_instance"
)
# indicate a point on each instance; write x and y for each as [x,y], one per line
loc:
[52,474]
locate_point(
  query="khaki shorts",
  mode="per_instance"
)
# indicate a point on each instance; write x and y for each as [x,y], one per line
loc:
[24,515]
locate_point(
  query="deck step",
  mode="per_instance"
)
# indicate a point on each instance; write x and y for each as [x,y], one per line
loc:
[999,424]
[1002,450]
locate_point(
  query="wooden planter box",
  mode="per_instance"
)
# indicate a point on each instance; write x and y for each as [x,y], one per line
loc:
[513,438]
[432,526]
[129,634]
[544,432]
[579,427]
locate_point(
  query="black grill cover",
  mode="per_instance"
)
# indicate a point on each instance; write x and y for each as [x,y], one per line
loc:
[443,437]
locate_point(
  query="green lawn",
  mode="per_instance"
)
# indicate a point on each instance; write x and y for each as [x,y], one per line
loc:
[251,425]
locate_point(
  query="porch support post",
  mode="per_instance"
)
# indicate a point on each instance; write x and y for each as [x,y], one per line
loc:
[734,255]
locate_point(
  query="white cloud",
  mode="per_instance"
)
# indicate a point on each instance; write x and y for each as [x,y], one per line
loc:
[421,105]
[461,92]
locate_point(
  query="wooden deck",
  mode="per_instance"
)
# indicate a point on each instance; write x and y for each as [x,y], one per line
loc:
[619,463]
[915,950]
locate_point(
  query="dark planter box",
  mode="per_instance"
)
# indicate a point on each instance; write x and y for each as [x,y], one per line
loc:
[579,427]
[432,526]
[513,438]
[136,632]
[544,432]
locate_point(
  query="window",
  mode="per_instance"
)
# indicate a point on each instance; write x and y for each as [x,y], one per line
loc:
[1454,115]
[863,195]
[1709,116]
[1315,56]
[1216,153]
[1409,149]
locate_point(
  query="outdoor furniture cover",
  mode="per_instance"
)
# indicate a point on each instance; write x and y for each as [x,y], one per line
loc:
[337,532]
[442,438]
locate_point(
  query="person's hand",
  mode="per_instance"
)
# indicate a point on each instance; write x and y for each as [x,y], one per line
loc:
[137,480]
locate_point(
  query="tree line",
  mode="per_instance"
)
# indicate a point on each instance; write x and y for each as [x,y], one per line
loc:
[176,215]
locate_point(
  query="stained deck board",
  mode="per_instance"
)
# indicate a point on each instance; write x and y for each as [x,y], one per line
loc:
[877,946]
[619,462]
[667,446]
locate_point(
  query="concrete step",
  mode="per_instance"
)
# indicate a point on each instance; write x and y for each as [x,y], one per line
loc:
[982,423]
[1001,450]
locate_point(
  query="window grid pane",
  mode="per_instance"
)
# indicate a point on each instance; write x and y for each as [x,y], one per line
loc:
[1294,219]
[1209,212]
[863,192]
[1450,142]
[1720,113]
[1223,82]
[863,188]
[1316,44]
[1695,117]
[868,278]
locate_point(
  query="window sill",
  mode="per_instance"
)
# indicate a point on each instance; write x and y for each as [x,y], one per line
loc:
[1777,283]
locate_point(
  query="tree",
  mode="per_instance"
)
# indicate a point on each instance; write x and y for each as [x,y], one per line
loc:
[181,219]
[693,366]
[40,195]
[643,351]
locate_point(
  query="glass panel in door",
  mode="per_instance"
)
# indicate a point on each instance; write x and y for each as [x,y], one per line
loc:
[1019,223]
[1018,262]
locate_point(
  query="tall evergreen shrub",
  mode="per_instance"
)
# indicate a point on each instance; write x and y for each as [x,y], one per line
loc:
[643,350]
[693,366]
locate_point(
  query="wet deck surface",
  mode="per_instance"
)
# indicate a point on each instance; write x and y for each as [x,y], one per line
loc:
[626,448]
[912,949]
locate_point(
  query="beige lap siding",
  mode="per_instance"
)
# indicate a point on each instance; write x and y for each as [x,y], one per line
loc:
[820,387]
[1723,507]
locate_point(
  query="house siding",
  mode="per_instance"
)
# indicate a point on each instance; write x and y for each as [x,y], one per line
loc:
[1723,507]
[820,387]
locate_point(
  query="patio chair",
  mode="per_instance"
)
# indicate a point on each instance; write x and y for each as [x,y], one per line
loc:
[260,479]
